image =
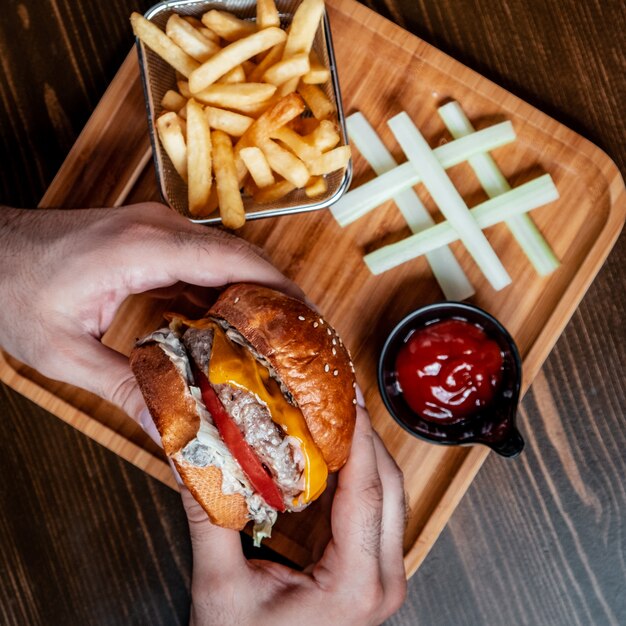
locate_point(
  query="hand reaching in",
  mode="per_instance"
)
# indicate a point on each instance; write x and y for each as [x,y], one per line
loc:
[359,580]
[64,274]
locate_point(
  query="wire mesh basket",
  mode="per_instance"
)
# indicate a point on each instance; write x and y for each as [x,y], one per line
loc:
[158,77]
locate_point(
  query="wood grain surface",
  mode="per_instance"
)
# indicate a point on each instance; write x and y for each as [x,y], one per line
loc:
[85,537]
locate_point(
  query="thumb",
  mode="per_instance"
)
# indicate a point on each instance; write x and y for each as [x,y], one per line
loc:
[217,552]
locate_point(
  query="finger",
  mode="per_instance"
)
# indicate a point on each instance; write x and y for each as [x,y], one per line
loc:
[169,292]
[217,552]
[357,510]
[393,524]
[201,297]
[211,258]
[89,364]
[179,250]
[147,423]
[107,374]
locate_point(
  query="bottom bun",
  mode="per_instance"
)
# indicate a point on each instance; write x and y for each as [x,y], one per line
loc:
[205,485]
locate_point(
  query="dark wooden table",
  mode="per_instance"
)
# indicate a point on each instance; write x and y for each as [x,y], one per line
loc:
[86,538]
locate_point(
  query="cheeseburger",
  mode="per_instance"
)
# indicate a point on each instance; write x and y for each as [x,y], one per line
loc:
[255,404]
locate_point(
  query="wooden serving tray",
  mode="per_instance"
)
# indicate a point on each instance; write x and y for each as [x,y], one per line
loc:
[383,70]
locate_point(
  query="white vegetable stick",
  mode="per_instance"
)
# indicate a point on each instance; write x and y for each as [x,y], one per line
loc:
[446,269]
[448,199]
[520,200]
[493,182]
[363,199]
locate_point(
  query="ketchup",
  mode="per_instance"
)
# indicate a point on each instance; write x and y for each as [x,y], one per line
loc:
[448,370]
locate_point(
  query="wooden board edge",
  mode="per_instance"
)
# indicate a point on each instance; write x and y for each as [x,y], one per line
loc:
[446,506]
[577,288]
[122,80]
[475,81]
[86,424]
[535,358]
[134,176]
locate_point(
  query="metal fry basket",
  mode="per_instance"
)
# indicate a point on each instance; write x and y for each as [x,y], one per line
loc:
[157,77]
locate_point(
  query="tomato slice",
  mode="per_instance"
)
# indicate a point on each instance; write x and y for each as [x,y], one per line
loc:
[259,477]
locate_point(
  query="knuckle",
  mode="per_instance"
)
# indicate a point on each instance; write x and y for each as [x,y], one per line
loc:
[138,223]
[371,490]
[132,232]
[149,211]
[122,391]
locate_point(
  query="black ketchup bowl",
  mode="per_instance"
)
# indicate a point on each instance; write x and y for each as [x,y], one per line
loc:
[492,425]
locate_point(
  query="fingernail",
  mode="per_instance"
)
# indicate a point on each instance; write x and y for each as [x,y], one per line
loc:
[145,419]
[177,477]
[146,422]
[360,400]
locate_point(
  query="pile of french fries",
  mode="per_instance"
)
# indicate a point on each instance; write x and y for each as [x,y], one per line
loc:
[240,121]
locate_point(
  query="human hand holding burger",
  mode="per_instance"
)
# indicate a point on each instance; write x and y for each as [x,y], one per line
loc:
[359,580]
[65,273]
[63,276]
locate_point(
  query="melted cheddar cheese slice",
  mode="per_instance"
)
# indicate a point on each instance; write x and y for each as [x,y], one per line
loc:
[234,365]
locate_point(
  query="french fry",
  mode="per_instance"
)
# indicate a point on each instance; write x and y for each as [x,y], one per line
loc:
[316,187]
[232,55]
[273,117]
[253,109]
[194,21]
[251,93]
[318,73]
[236,95]
[207,32]
[301,148]
[289,86]
[183,88]
[227,26]
[230,202]
[173,101]
[257,165]
[173,141]
[321,107]
[283,162]
[276,116]
[198,159]
[234,124]
[273,193]
[236,75]
[287,69]
[304,125]
[306,21]
[330,161]
[213,203]
[190,39]
[249,187]
[274,55]
[153,37]
[266,14]
[324,137]
[248,68]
